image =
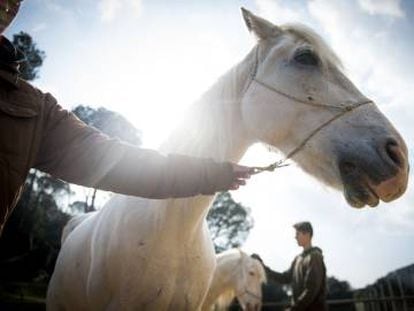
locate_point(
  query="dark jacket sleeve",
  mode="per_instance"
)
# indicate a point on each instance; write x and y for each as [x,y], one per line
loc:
[72,151]
[314,278]
[283,277]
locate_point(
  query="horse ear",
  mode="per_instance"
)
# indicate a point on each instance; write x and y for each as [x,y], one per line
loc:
[262,28]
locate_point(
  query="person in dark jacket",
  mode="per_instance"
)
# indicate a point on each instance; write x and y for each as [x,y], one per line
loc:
[306,275]
[35,132]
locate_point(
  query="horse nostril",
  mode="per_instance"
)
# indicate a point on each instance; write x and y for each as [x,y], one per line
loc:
[393,152]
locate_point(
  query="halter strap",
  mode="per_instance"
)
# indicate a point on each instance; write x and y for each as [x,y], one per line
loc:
[343,110]
[247,292]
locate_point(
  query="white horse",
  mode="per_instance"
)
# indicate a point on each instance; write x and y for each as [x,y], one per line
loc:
[236,275]
[289,93]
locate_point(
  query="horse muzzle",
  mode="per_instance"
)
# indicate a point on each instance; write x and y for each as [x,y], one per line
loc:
[379,172]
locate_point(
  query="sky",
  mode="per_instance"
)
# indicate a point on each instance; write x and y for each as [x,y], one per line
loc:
[149,60]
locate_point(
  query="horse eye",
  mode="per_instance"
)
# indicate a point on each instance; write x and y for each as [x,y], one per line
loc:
[251,273]
[307,58]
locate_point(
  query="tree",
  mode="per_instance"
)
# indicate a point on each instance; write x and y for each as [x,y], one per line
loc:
[34,57]
[31,237]
[229,222]
[339,290]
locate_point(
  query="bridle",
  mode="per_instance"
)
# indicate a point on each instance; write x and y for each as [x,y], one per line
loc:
[342,111]
[247,292]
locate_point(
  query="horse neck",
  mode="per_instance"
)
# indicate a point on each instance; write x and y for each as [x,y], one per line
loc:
[213,129]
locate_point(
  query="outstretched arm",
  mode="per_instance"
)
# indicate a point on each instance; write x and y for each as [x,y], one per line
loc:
[283,278]
[80,154]
[280,277]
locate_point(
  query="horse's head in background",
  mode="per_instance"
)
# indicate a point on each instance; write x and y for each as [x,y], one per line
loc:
[240,276]
[298,90]
[249,283]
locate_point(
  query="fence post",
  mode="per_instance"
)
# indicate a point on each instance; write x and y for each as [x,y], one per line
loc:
[393,305]
[358,305]
[377,304]
[404,302]
[383,302]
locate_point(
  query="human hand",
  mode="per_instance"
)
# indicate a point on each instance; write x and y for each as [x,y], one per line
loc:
[240,175]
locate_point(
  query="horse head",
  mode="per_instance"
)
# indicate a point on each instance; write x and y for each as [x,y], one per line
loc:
[299,100]
[248,282]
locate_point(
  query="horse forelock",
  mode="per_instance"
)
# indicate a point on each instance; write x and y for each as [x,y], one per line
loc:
[307,36]
[247,261]
[260,270]
[239,261]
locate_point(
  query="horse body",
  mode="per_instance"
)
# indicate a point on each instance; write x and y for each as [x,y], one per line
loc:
[157,254]
[95,276]
[236,275]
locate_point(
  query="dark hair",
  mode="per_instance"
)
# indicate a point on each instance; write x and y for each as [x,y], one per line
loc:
[304,227]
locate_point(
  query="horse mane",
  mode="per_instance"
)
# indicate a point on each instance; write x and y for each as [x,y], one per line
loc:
[259,269]
[208,127]
[310,37]
[225,299]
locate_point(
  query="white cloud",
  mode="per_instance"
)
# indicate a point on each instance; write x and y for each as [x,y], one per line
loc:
[382,7]
[110,9]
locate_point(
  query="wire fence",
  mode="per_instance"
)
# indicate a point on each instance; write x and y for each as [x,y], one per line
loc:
[405,303]
[393,293]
